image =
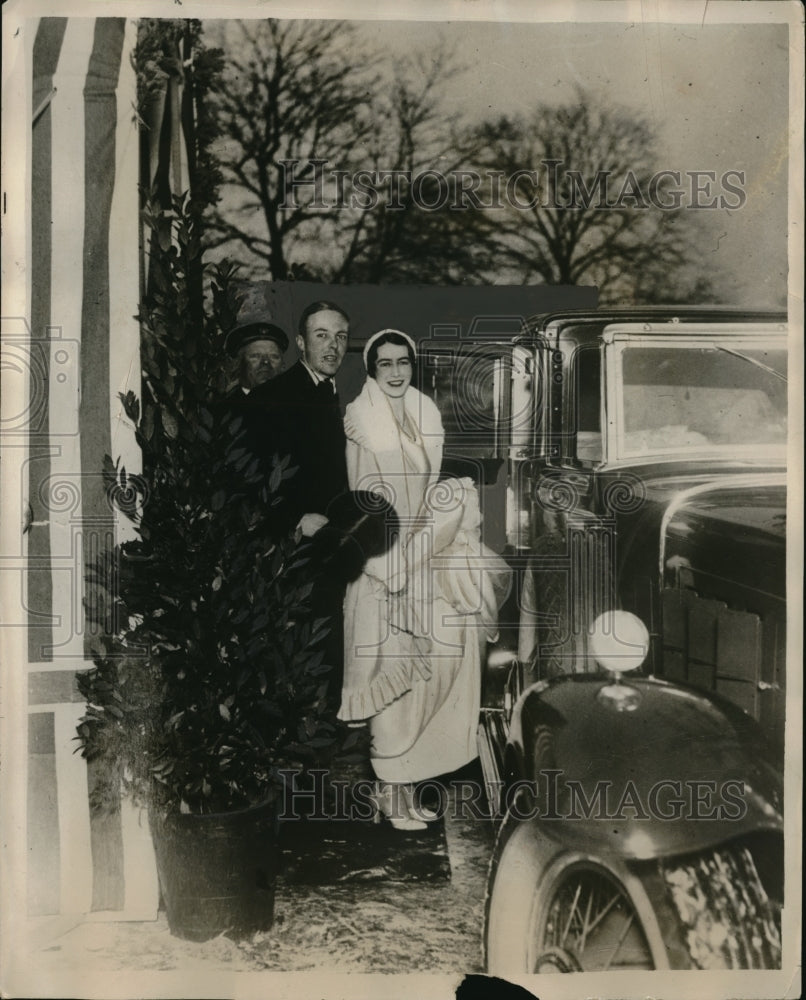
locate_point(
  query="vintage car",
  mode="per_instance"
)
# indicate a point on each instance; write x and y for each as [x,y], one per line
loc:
[643,455]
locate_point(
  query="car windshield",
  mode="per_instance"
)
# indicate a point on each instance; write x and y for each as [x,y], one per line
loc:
[702,398]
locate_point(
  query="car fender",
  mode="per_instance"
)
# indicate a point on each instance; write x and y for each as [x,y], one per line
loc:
[678,772]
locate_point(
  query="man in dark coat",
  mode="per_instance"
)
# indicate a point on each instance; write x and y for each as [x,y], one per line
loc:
[298,415]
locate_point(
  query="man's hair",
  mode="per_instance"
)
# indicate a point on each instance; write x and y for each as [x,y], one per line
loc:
[316,307]
[387,338]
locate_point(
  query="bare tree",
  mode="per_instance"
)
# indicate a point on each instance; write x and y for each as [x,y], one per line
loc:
[593,215]
[292,103]
[416,230]
[347,170]
[330,169]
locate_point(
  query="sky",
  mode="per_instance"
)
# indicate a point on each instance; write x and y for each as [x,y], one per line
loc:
[717,96]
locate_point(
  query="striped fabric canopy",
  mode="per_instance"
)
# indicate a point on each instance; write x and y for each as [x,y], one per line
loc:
[85,286]
[87,271]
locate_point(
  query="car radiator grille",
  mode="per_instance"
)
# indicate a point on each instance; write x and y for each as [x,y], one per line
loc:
[733,652]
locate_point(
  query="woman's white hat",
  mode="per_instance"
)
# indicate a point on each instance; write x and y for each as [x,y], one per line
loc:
[380,333]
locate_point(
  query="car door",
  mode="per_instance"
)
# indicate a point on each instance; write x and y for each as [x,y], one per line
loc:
[484,389]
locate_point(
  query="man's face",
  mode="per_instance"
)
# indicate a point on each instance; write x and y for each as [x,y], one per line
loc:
[258,362]
[325,342]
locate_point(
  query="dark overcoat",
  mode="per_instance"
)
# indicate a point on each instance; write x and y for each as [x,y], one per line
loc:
[292,415]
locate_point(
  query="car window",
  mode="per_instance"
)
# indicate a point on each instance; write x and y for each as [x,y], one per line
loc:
[698,398]
[469,384]
[586,430]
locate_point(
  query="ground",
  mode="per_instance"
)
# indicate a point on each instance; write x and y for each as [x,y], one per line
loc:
[366,927]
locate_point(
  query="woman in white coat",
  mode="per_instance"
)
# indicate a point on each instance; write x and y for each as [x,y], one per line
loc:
[417,619]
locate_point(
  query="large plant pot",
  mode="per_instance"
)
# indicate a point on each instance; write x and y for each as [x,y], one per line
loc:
[217,872]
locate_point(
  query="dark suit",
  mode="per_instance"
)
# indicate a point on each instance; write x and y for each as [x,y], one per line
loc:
[234,404]
[236,399]
[291,415]
[231,440]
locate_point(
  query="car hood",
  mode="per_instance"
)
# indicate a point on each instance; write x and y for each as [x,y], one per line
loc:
[735,526]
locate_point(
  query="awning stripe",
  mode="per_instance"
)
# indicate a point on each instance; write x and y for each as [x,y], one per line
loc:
[62,492]
[39,598]
[84,351]
[100,124]
[124,269]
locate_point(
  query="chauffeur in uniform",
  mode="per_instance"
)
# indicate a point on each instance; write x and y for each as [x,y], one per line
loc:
[258,345]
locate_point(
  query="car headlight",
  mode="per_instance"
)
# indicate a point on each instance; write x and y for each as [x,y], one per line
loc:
[619,641]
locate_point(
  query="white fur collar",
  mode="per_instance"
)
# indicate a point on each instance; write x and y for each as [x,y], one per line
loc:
[369,422]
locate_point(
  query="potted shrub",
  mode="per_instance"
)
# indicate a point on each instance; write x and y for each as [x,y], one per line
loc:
[210,677]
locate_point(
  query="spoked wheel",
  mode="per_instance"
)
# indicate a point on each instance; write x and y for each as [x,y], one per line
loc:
[554,910]
[588,922]
[550,909]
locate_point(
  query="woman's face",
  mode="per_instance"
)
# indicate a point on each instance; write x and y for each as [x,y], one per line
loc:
[393,369]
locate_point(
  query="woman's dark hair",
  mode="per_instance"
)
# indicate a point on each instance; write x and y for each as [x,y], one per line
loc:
[317,307]
[387,338]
